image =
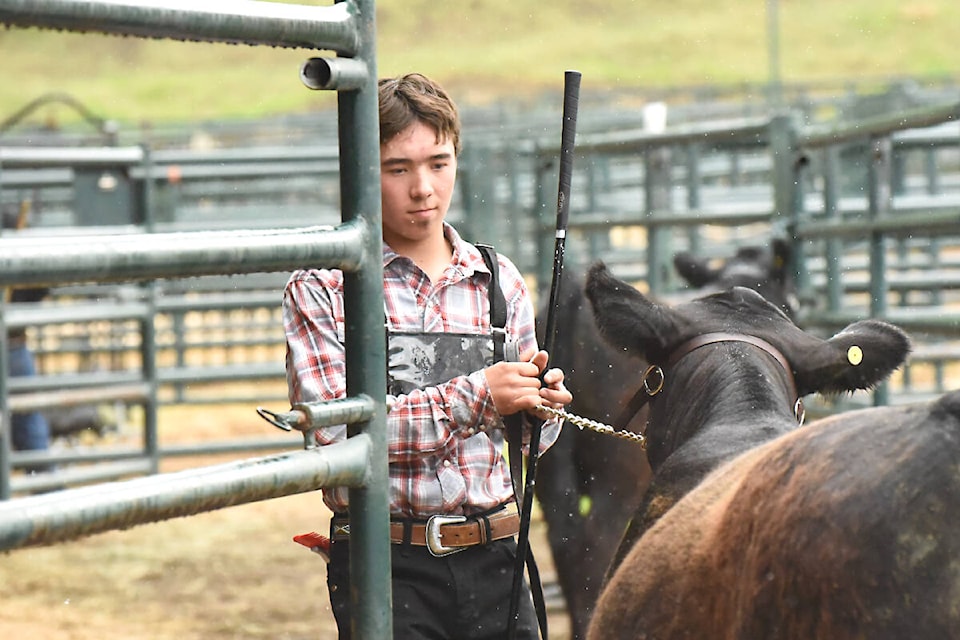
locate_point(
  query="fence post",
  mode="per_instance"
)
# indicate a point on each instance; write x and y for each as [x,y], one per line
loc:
[543,211]
[834,246]
[657,187]
[6,425]
[358,114]
[6,439]
[692,153]
[787,193]
[878,204]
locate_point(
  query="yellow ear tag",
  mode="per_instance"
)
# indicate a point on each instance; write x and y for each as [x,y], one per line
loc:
[854,355]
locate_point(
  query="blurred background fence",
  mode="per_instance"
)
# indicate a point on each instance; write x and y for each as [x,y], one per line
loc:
[865,185]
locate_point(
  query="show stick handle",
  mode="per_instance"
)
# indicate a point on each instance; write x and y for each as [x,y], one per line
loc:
[568,135]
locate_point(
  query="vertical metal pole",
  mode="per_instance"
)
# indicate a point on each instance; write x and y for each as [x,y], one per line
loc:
[878,202]
[831,208]
[787,198]
[693,193]
[370,575]
[657,186]
[147,202]
[542,211]
[148,328]
[148,355]
[6,440]
[6,426]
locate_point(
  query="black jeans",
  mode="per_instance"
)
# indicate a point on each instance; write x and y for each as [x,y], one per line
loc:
[462,596]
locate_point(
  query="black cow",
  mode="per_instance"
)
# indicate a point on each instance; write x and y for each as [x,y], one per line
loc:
[589,485]
[766,270]
[776,543]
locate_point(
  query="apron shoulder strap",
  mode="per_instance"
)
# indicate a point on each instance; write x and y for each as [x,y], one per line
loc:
[498,302]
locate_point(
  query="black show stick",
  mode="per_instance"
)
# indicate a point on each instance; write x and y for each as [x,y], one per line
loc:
[571,102]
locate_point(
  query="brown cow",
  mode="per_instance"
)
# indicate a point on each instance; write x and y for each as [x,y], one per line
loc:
[846,529]
[732,366]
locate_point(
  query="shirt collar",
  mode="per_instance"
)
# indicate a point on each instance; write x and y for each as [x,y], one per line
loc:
[467,259]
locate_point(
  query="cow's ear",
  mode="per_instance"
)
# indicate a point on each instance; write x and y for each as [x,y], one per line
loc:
[696,271]
[859,357]
[627,319]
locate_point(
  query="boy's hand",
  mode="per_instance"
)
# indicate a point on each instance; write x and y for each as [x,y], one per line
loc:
[515,386]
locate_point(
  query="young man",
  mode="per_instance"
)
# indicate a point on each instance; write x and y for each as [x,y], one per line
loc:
[449,395]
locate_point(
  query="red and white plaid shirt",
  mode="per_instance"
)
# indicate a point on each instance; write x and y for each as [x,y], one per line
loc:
[445,442]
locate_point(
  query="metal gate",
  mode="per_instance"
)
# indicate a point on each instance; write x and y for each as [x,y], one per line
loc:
[348,29]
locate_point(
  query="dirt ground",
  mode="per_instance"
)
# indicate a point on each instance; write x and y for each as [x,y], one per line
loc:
[228,574]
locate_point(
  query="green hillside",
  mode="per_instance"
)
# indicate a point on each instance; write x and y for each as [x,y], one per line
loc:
[486,49]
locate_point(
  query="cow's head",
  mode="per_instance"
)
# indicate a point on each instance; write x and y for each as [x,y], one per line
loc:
[858,357]
[764,269]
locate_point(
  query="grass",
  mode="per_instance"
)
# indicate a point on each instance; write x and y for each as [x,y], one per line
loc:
[486,50]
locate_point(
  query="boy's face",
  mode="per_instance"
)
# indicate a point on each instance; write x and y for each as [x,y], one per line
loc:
[417,176]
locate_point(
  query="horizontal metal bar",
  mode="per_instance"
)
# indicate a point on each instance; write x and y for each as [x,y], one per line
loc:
[75,513]
[236,171]
[837,133]
[81,475]
[245,155]
[66,397]
[238,21]
[602,220]
[59,260]
[107,454]
[222,373]
[741,216]
[329,413]
[49,179]
[73,455]
[84,380]
[29,315]
[219,301]
[230,446]
[745,131]
[895,223]
[126,383]
[932,320]
[43,157]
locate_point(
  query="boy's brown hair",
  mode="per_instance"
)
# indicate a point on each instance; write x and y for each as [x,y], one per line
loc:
[414,97]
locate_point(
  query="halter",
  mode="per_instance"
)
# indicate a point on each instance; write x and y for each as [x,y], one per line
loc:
[653,377]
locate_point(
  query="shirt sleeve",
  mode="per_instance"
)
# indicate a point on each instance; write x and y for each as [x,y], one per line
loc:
[315,363]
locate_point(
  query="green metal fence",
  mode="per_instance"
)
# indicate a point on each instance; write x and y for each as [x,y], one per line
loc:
[348,29]
[870,206]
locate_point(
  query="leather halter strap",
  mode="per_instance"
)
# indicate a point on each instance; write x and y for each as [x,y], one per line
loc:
[645,392]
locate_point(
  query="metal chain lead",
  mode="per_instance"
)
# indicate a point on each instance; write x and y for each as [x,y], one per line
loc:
[593,425]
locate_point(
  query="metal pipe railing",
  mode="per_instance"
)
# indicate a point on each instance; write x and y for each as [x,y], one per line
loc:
[44,260]
[245,22]
[75,513]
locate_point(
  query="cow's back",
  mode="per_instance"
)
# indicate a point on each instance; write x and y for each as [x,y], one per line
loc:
[844,529]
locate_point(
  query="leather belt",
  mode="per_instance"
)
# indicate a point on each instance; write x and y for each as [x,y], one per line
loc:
[443,534]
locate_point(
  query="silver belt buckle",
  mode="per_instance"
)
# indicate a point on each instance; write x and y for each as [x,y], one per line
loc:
[432,535]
